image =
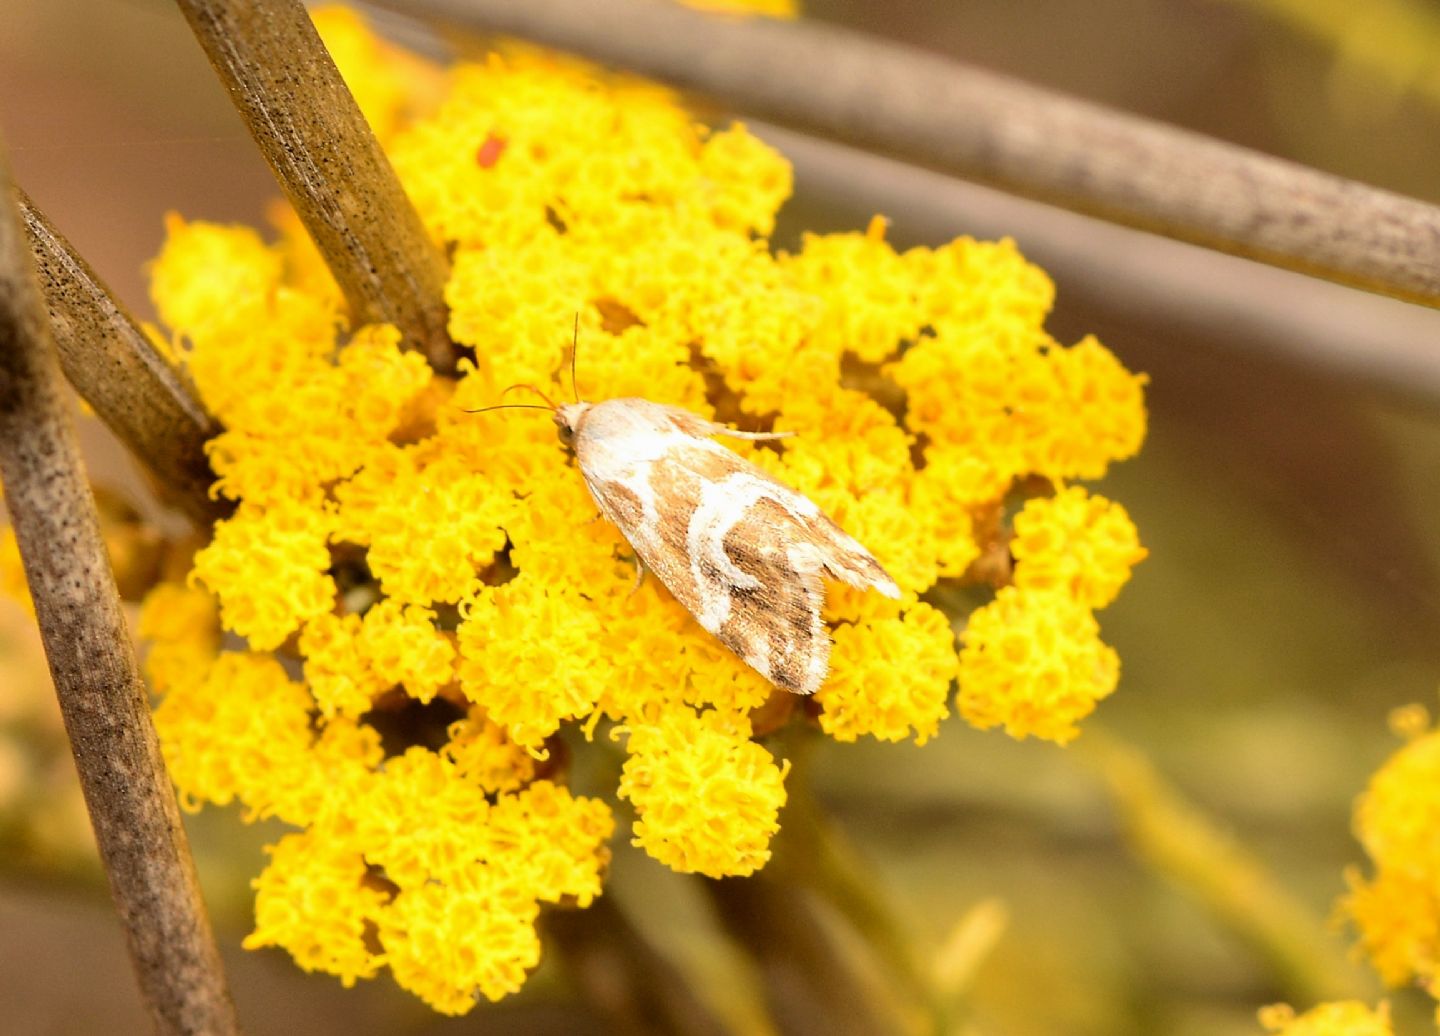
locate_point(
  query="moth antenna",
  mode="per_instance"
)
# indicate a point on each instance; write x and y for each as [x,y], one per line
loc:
[533,389]
[574,352]
[511,406]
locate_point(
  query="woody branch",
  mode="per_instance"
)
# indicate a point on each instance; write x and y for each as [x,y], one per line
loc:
[117,370]
[955,118]
[92,663]
[311,131]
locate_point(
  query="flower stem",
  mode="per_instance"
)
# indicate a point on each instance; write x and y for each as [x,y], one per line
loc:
[812,985]
[92,663]
[1175,839]
[950,116]
[623,977]
[784,917]
[817,856]
[116,369]
[306,123]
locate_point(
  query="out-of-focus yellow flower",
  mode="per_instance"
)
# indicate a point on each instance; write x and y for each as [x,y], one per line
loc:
[392,86]
[1344,1018]
[771,8]
[181,628]
[441,574]
[1397,911]
[12,570]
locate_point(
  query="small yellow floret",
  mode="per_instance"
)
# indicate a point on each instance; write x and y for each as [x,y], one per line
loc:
[707,797]
[1033,662]
[746,180]
[419,821]
[526,685]
[268,567]
[336,668]
[550,843]
[1397,817]
[1398,911]
[210,278]
[181,625]
[429,521]
[312,899]
[482,753]
[1397,914]
[240,730]
[1081,545]
[868,290]
[449,943]
[890,677]
[402,646]
[1097,416]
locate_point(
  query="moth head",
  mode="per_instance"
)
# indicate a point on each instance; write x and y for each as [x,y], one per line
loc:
[567,420]
[567,416]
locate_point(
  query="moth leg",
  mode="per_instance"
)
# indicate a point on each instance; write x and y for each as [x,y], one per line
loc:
[735,433]
[694,424]
[639,576]
[715,428]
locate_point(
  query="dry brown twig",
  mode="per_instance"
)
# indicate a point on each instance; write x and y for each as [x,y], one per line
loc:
[309,128]
[982,126]
[92,662]
[115,368]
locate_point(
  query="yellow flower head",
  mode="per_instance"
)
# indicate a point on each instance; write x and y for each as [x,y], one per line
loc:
[1343,1018]
[1034,663]
[399,564]
[707,799]
[1397,911]
[1081,545]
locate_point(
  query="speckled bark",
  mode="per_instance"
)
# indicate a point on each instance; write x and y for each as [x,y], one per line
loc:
[986,127]
[310,130]
[115,368]
[92,662]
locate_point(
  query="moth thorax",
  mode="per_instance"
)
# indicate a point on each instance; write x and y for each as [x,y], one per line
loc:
[567,419]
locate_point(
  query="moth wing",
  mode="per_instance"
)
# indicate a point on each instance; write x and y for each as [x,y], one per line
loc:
[773,620]
[841,555]
[844,558]
[741,551]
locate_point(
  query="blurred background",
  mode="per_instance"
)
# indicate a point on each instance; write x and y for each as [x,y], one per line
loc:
[1287,495]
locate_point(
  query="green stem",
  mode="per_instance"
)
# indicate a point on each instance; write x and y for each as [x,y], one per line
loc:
[1176,839]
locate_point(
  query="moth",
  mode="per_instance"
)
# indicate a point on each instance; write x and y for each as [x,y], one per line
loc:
[743,552]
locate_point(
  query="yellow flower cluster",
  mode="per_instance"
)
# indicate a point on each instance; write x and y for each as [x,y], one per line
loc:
[696,782]
[1397,911]
[439,574]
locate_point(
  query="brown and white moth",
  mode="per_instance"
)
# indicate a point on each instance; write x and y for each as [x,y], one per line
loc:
[743,552]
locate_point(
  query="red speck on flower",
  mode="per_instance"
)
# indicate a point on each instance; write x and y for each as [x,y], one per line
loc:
[489,152]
